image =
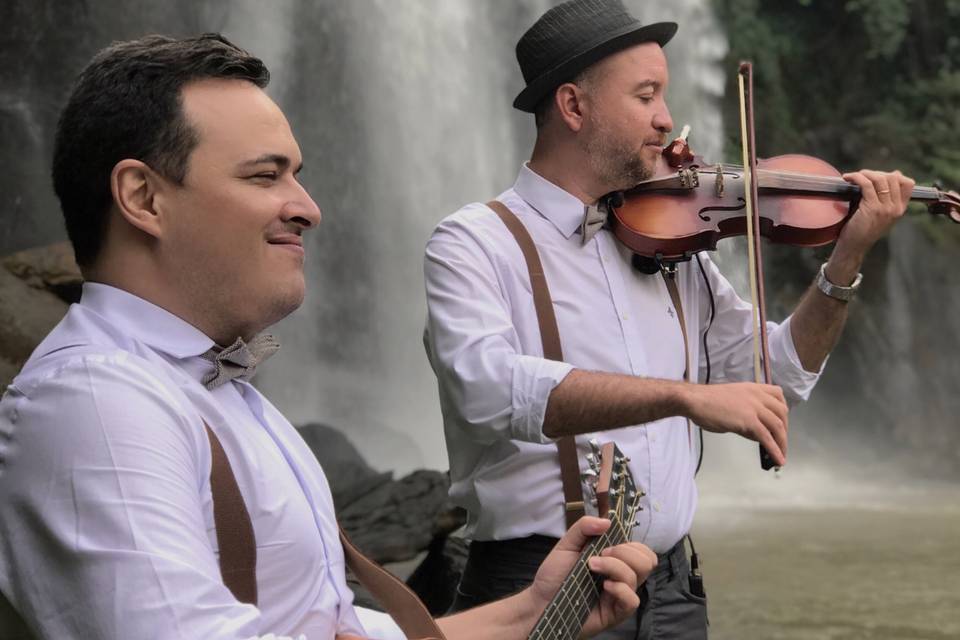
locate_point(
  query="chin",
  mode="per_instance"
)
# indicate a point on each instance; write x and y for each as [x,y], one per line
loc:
[285,300]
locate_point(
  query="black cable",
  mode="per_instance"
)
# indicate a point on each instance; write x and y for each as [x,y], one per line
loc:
[706,349]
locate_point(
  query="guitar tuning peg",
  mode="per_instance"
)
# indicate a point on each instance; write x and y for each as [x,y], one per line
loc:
[595,445]
[593,502]
[589,474]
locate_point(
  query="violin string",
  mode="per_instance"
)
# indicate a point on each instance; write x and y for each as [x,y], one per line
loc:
[801,180]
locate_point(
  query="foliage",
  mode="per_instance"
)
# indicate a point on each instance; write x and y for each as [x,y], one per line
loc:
[859,83]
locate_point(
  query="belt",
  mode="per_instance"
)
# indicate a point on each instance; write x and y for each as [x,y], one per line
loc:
[533,549]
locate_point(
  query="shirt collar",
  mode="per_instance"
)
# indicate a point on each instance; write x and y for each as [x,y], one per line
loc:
[144,321]
[561,208]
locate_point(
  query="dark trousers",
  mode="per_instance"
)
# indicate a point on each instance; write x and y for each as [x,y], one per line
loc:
[667,608]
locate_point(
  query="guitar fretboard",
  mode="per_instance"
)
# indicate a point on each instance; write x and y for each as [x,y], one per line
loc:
[564,617]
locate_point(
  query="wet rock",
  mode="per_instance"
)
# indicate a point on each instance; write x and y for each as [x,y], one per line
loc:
[435,580]
[347,472]
[52,268]
[399,519]
[26,316]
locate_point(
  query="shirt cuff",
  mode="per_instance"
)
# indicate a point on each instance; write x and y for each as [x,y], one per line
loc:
[533,380]
[785,367]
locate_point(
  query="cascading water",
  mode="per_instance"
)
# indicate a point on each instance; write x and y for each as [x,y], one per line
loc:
[402,110]
[403,117]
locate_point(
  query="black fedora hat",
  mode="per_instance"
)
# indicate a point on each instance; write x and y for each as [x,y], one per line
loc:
[570,37]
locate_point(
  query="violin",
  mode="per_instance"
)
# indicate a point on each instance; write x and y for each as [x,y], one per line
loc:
[689,204]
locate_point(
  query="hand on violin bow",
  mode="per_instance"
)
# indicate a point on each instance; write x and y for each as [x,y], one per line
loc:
[624,567]
[883,201]
[755,411]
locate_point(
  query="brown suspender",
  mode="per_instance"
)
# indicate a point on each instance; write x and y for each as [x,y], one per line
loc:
[550,336]
[238,555]
[238,549]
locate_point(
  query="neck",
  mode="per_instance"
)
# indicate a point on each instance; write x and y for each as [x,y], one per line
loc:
[562,165]
[144,281]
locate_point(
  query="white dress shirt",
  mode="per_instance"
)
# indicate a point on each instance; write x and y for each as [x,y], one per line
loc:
[106,520]
[483,342]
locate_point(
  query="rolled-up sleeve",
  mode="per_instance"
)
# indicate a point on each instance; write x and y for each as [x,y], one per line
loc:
[487,386]
[730,342]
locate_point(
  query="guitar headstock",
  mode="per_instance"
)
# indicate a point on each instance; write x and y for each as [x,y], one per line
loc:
[617,498]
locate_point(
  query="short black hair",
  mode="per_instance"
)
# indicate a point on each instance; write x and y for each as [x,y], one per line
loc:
[127,103]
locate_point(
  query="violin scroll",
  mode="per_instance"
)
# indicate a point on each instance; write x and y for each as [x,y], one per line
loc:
[947,204]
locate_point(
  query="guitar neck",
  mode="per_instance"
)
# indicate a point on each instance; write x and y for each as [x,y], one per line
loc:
[563,618]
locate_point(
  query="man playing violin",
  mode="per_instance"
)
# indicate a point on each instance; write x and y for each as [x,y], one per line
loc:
[177,176]
[596,81]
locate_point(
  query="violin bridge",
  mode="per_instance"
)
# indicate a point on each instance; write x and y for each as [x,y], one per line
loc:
[718,185]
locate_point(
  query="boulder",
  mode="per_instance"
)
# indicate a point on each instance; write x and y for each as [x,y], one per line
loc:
[26,316]
[52,268]
[347,472]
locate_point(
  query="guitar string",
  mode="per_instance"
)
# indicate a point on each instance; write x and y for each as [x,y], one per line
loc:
[582,580]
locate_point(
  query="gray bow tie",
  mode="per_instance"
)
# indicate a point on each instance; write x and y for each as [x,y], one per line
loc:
[594,217]
[239,360]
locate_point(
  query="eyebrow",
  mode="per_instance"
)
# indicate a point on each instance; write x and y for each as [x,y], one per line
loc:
[278,159]
[645,84]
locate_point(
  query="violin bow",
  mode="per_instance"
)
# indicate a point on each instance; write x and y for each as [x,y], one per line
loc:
[761,355]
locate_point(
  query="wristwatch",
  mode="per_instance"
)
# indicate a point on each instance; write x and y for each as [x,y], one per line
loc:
[845,294]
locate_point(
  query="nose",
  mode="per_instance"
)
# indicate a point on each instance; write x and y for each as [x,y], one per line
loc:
[662,120]
[301,209]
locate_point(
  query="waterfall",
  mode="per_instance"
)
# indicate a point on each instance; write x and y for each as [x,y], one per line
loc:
[403,112]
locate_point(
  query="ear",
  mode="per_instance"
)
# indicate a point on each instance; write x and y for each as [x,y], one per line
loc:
[134,186]
[568,99]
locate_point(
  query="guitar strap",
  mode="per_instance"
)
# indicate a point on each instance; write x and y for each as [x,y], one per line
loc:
[550,337]
[238,555]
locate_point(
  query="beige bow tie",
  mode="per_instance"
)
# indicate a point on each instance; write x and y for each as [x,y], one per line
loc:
[239,360]
[594,217]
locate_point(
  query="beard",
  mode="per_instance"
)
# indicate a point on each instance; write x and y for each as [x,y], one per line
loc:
[614,161]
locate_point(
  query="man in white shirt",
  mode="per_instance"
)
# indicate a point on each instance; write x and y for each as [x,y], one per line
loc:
[596,82]
[177,175]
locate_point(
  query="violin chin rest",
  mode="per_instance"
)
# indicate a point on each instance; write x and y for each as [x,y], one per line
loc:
[646,265]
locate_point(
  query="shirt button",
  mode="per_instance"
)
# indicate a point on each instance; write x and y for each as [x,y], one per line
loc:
[653,438]
[624,316]
[656,506]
